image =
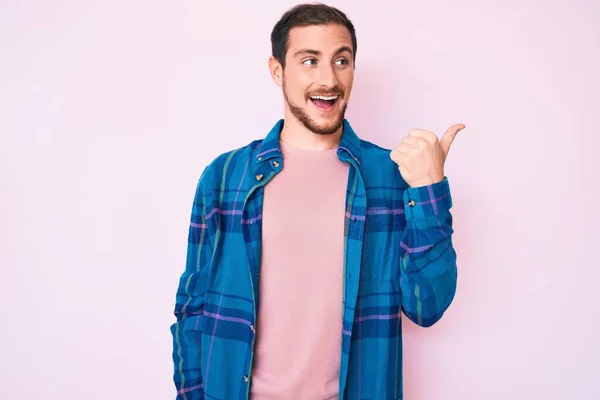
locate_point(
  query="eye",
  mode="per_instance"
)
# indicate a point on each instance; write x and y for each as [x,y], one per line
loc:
[342,61]
[309,61]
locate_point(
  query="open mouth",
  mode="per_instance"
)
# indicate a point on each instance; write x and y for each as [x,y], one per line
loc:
[324,103]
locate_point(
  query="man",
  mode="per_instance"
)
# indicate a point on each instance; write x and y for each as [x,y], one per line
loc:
[305,247]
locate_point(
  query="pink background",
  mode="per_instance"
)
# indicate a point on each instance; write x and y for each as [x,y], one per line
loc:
[110,110]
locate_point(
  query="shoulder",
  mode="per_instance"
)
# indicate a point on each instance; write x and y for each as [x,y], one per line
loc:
[227,167]
[373,151]
[377,167]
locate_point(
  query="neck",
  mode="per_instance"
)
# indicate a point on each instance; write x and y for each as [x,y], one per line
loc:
[295,134]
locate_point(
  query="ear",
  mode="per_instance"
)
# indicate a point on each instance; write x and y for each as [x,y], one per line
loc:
[276,70]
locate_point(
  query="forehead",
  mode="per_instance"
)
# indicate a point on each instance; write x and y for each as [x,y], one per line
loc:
[324,38]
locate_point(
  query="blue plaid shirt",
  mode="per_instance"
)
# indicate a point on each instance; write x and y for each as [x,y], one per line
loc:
[398,260]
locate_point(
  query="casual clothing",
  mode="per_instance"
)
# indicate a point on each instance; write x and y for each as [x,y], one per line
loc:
[398,259]
[298,337]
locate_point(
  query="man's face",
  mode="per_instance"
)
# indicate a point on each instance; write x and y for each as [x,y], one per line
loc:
[318,76]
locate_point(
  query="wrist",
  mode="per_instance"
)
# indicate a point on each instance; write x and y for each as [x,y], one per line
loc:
[427,201]
[425,182]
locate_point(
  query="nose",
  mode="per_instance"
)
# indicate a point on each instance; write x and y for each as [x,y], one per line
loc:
[327,76]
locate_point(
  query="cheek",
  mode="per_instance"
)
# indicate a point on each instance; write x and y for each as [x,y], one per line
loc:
[297,91]
[298,85]
[347,80]
[305,77]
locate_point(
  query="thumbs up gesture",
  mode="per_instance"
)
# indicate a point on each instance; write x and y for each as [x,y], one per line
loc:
[421,156]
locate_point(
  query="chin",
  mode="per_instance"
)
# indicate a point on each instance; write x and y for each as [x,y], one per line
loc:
[325,126]
[318,121]
[328,123]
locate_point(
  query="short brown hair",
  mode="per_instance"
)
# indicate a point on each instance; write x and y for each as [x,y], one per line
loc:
[305,15]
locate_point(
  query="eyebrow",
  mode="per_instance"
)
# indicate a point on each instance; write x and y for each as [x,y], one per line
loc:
[318,53]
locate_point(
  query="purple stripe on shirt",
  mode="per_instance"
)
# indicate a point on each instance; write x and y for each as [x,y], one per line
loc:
[252,220]
[433,201]
[267,151]
[414,249]
[378,316]
[358,217]
[229,319]
[227,212]
[360,310]
[384,210]
[189,389]
[223,212]
[212,340]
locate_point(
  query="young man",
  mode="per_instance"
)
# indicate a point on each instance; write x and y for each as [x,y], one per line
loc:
[306,247]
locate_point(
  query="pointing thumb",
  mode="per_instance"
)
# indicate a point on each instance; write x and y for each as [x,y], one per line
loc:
[449,136]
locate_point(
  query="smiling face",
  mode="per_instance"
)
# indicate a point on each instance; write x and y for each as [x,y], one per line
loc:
[318,76]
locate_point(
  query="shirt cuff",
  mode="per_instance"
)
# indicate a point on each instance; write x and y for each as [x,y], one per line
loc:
[427,201]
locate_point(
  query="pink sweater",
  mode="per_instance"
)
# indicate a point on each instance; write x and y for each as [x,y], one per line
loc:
[299,323]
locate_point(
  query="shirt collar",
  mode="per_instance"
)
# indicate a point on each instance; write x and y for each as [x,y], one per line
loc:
[349,148]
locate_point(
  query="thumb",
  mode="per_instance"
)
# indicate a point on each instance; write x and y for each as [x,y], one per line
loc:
[449,136]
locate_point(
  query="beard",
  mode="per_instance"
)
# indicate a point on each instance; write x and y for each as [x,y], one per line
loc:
[309,123]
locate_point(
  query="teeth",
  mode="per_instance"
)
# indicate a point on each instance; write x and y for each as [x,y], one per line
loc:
[324,97]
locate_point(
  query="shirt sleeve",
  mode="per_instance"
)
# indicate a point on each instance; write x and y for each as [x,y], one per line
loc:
[189,304]
[428,271]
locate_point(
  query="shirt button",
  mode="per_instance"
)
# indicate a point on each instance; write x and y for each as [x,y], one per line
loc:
[259,177]
[276,164]
[246,378]
[252,327]
[411,203]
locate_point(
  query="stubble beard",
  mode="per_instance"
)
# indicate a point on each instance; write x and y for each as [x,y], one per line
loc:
[309,123]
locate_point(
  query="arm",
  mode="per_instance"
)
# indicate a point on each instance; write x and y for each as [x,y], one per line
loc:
[189,304]
[428,270]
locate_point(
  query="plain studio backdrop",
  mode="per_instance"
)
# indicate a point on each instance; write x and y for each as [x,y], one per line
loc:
[109,111]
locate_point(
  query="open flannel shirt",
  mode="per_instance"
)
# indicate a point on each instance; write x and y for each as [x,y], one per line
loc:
[398,259]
